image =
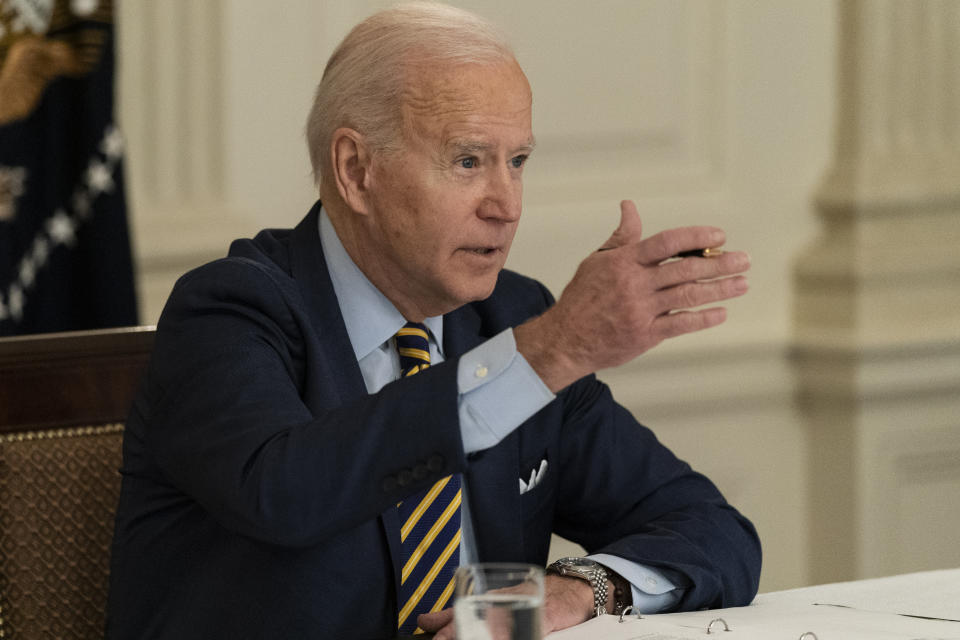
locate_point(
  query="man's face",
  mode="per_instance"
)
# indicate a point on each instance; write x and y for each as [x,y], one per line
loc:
[444,209]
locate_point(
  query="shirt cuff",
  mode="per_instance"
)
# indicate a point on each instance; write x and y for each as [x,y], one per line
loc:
[652,591]
[498,390]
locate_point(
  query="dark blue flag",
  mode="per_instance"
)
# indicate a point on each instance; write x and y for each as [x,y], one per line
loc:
[65,259]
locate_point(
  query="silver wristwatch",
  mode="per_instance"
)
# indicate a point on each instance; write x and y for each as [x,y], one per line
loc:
[588,570]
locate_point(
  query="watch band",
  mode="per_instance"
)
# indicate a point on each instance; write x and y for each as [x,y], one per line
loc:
[599,584]
[594,573]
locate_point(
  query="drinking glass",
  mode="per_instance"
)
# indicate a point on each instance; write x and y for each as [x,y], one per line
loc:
[498,602]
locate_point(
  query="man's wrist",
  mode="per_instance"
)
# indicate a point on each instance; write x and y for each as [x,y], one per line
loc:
[577,598]
[537,342]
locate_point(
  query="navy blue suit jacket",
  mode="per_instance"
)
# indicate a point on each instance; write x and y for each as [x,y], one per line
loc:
[260,479]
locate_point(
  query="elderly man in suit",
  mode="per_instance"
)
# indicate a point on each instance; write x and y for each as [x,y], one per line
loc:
[339,414]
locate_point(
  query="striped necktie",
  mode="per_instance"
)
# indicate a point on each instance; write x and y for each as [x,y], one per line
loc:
[430,520]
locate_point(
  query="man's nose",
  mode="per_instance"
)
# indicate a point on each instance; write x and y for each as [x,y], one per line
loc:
[503,198]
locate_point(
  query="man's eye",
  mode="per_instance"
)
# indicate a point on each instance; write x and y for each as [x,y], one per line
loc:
[518,161]
[468,163]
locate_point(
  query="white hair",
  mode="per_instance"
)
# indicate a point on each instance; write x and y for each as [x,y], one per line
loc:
[363,82]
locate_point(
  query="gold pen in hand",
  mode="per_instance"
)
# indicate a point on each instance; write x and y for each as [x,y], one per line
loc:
[700,253]
[709,252]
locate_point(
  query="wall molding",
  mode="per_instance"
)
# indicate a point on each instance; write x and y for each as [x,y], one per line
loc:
[721,379]
[912,471]
[682,155]
[866,373]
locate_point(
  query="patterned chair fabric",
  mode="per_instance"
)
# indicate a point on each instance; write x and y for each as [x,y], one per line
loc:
[62,401]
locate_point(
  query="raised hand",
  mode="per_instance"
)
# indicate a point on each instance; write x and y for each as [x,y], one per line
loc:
[629,297]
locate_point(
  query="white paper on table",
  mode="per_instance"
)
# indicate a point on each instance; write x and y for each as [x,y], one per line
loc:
[922,606]
[770,621]
[931,594]
[609,627]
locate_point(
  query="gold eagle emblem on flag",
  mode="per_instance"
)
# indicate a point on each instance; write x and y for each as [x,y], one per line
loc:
[41,40]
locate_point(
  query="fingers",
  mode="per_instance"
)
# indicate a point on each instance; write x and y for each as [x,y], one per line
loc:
[440,622]
[678,320]
[630,226]
[695,294]
[667,244]
[678,323]
[675,272]
[663,245]
[630,230]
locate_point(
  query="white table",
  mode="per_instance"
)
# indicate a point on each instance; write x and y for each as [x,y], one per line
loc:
[906,607]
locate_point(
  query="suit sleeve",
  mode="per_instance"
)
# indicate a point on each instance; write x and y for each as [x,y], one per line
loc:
[625,494]
[621,492]
[223,418]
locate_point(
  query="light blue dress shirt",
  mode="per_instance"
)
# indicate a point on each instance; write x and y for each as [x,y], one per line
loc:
[498,390]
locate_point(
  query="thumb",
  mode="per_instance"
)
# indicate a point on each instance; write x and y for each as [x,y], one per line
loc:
[436,620]
[630,229]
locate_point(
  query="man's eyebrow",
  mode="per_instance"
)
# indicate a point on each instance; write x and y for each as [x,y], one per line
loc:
[478,146]
[469,146]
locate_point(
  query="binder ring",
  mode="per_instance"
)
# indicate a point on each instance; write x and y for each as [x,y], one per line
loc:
[629,609]
[809,635]
[726,627]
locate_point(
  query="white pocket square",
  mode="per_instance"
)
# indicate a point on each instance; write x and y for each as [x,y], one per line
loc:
[536,477]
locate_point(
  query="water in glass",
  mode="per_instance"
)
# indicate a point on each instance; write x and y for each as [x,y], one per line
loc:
[498,616]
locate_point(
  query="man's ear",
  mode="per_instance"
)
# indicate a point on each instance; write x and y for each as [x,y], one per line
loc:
[351,167]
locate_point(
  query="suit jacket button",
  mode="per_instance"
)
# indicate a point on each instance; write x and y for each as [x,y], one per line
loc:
[389,484]
[420,472]
[435,463]
[404,478]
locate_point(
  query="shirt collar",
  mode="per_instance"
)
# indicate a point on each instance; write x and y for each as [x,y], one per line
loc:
[371,318]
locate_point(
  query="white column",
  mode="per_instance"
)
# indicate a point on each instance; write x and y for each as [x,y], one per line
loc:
[877,310]
[170,70]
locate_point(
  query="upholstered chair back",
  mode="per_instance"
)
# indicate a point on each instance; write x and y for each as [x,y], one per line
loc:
[63,400]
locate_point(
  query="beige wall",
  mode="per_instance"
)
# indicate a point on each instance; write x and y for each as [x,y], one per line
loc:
[703,111]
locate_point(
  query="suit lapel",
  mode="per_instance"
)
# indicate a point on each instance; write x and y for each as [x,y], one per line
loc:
[491,475]
[343,376]
[343,380]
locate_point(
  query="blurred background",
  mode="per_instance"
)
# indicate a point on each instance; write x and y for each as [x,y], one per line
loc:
[823,135]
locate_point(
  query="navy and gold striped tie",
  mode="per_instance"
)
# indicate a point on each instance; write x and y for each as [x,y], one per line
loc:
[430,520]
